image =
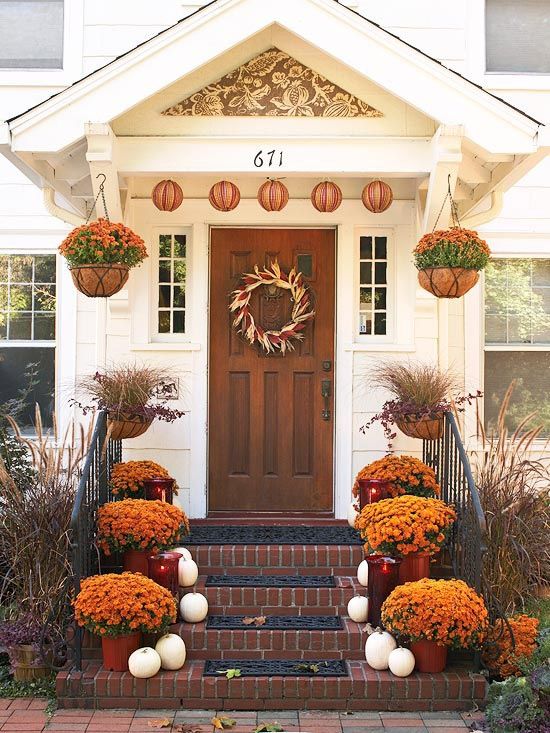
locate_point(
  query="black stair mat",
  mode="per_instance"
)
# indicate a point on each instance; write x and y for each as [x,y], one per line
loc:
[271,581]
[272,535]
[278,623]
[276,668]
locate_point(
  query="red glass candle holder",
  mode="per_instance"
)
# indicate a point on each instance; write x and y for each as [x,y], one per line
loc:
[159,488]
[163,569]
[383,578]
[372,490]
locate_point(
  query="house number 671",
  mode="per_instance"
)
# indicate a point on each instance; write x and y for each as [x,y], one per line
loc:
[271,159]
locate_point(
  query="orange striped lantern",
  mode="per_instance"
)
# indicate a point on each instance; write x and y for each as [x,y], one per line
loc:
[377,196]
[167,195]
[224,196]
[326,197]
[273,195]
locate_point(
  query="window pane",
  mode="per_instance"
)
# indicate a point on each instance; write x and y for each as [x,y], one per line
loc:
[44,269]
[365,296]
[35,38]
[380,248]
[20,327]
[164,271]
[517,36]
[365,323]
[13,367]
[305,264]
[44,297]
[379,324]
[164,296]
[380,273]
[179,271]
[20,298]
[179,321]
[380,298]
[532,391]
[373,252]
[366,273]
[164,322]
[44,327]
[3,297]
[179,245]
[172,271]
[365,248]
[179,297]
[20,269]
[4,268]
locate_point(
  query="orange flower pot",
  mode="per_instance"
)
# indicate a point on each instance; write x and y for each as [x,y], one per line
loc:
[429,656]
[447,282]
[135,561]
[424,428]
[414,566]
[116,650]
[100,281]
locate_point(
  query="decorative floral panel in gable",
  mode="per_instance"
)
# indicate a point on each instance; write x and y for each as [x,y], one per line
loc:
[276,85]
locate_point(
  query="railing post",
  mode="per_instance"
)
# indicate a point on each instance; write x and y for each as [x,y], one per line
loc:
[103,477]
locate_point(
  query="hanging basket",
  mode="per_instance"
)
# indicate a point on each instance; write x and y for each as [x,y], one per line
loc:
[428,427]
[100,281]
[447,282]
[128,427]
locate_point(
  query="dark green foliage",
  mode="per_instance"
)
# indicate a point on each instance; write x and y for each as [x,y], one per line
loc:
[513,706]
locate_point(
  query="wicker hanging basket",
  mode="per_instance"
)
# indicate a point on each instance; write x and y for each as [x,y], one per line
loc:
[100,281]
[428,427]
[128,427]
[447,282]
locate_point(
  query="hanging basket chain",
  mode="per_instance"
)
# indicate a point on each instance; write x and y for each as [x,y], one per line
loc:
[101,193]
[454,207]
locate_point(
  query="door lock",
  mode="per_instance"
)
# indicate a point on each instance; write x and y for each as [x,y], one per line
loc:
[326,391]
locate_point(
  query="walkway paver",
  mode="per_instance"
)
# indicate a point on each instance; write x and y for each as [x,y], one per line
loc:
[23,715]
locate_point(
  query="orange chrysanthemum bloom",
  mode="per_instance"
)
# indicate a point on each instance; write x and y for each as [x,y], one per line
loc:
[103,242]
[454,247]
[405,524]
[503,654]
[137,524]
[117,604]
[446,611]
[127,478]
[405,474]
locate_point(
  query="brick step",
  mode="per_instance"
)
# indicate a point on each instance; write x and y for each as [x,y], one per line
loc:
[287,559]
[258,643]
[363,689]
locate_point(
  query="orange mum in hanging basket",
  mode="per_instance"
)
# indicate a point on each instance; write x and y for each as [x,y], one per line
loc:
[138,524]
[405,524]
[503,654]
[103,242]
[405,474]
[127,478]
[120,604]
[448,612]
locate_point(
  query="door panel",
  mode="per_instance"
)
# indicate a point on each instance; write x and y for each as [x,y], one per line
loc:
[271,439]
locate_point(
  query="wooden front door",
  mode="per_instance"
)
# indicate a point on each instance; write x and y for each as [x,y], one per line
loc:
[271,417]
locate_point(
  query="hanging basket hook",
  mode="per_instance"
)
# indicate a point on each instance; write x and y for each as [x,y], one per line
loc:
[101,192]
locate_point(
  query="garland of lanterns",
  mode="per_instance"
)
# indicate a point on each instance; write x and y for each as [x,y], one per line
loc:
[274,340]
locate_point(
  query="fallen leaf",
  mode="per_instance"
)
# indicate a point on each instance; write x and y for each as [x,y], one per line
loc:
[309,668]
[256,620]
[268,728]
[159,723]
[185,728]
[230,673]
[223,723]
[248,620]
[260,620]
[345,583]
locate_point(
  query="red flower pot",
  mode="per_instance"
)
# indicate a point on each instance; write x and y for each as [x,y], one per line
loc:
[116,650]
[372,490]
[135,561]
[415,566]
[429,656]
[383,578]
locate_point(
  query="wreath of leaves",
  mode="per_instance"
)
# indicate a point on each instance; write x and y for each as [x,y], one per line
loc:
[302,311]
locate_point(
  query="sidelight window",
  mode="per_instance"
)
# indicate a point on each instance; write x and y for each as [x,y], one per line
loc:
[373,285]
[171,281]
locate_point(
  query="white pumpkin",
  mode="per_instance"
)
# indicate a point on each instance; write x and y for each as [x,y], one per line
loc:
[183,551]
[171,650]
[363,573]
[144,663]
[401,662]
[188,572]
[194,608]
[358,609]
[352,515]
[378,648]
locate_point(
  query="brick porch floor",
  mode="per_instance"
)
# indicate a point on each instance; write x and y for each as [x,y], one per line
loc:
[21,715]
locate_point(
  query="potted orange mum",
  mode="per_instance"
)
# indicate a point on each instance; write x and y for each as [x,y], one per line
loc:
[436,615]
[128,478]
[412,527]
[403,475]
[137,527]
[119,608]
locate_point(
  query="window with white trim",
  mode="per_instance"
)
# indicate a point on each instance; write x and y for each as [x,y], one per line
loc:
[373,284]
[33,34]
[27,332]
[516,36]
[171,279]
[517,339]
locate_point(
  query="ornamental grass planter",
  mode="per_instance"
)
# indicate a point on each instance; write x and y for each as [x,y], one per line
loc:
[414,566]
[429,656]
[447,282]
[125,427]
[24,658]
[428,427]
[100,281]
[117,649]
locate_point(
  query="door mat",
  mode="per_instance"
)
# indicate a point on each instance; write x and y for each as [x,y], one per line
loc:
[270,535]
[271,581]
[278,623]
[276,668]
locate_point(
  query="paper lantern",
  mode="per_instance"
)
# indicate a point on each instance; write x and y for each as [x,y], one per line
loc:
[273,195]
[167,195]
[377,196]
[224,196]
[326,197]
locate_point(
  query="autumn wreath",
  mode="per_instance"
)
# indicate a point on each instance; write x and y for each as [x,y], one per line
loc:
[244,322]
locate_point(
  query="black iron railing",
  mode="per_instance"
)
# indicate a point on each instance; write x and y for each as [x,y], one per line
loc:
[466,544]
[93,492]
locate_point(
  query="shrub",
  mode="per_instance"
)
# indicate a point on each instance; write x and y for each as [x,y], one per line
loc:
[454,247]
[514,706]
[103,242]
[510,643]
[405,474]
